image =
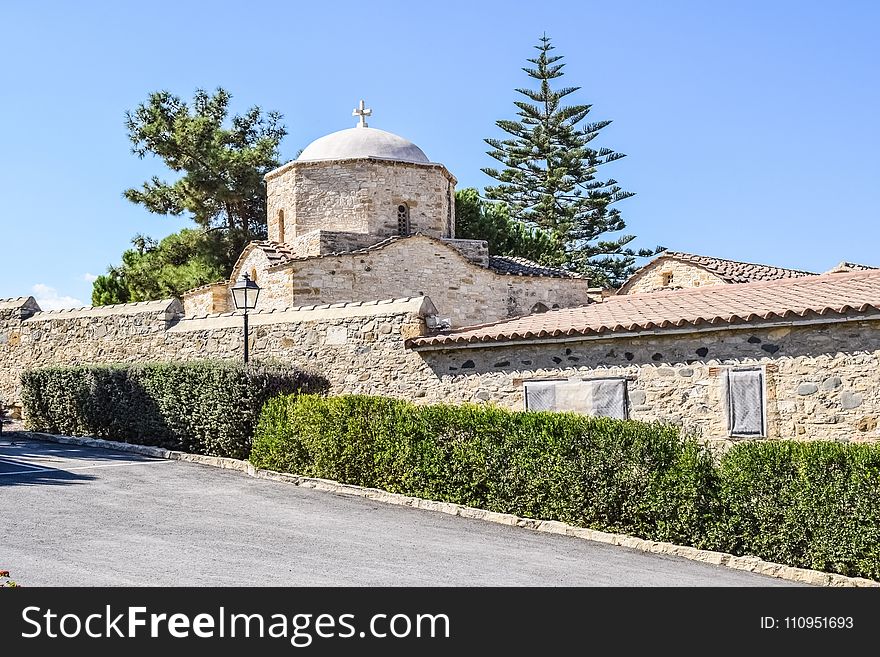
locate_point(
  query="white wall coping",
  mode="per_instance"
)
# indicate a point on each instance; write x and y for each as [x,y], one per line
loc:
[420,306]
[170,307]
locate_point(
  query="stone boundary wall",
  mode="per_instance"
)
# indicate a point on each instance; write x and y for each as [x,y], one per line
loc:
[822,379]
[748,563]
[345,343]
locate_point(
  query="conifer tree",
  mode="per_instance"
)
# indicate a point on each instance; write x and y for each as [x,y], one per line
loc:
[549,179]
[476,219]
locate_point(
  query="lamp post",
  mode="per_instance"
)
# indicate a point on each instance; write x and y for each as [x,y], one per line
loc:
[244,294]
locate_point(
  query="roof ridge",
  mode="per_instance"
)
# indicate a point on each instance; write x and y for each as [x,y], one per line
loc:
[739,262]
[731,287]
[825,296]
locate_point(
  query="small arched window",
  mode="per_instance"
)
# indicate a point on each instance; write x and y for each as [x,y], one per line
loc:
[403,219]
[254,274]
[281,226]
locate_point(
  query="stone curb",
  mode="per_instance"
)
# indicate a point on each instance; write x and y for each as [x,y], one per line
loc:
[748,562]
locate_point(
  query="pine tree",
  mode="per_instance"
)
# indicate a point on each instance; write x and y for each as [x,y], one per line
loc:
[221,162]
[549,179]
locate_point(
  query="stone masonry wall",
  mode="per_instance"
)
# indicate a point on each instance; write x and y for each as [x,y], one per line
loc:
[214,298]
[359,196]
[822,381]
[477,251]
[684,275]
[323,242]
[360,344]
[274,285]
[418,266]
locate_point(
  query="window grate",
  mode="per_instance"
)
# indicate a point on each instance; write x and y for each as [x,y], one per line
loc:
[403,219]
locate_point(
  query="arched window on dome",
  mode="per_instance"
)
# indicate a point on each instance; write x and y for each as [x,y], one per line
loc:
[403,219]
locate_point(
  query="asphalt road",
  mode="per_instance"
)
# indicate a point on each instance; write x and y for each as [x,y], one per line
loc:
[74,516]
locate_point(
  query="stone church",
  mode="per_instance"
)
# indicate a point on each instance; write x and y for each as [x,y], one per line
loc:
[365,284]
[364,214]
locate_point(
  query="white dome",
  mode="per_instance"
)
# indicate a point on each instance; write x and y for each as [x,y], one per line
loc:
[363,142]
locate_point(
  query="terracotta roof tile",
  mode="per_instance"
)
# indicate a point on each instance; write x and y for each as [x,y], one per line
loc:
[832,295]
[734,271]
[730,271]
[276,252]
[524,267]
[290,256]
[849,266]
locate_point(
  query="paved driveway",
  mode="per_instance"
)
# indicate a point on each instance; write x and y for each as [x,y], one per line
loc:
[82,516]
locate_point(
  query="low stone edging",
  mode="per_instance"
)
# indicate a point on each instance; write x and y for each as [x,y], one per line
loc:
[748,563]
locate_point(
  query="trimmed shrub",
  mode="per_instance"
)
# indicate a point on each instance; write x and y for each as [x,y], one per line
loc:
[619,476]
[207,407]
[808,504]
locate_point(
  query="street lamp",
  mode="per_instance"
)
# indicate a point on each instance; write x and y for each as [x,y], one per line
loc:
[244,294]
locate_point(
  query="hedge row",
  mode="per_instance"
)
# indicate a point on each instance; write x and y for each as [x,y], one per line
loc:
[207,407]
[618,476]
[805,504]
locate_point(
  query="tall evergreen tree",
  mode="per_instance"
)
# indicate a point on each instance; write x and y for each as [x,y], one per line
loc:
[549,179]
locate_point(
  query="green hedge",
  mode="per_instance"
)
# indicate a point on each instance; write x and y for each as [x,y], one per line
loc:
[207,407]
[808,504]
[617,476]
[812,505]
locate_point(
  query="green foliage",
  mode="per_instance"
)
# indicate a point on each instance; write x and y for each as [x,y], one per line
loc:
[612,475]
[222,166]
[165,269]
[221,162]
[476,219]
[549,179]
[208,407]
[811,505]
[807,504]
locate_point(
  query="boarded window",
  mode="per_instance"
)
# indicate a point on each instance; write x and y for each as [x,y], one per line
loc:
[744,392]
[603,397]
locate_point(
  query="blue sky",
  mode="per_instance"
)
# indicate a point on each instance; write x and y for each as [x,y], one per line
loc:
[751,127]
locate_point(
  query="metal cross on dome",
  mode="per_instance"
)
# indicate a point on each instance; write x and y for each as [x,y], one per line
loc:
[363,112]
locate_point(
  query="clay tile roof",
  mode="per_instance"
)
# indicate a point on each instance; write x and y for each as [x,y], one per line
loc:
[523,267]
[276,252]
[832,295]
[730,271]
[849,266]
[290,256]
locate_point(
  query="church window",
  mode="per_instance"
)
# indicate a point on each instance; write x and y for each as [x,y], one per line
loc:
[254,274]
[281,226]
[666,278]
[403,219]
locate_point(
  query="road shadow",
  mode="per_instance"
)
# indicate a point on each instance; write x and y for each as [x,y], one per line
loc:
[28,462]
